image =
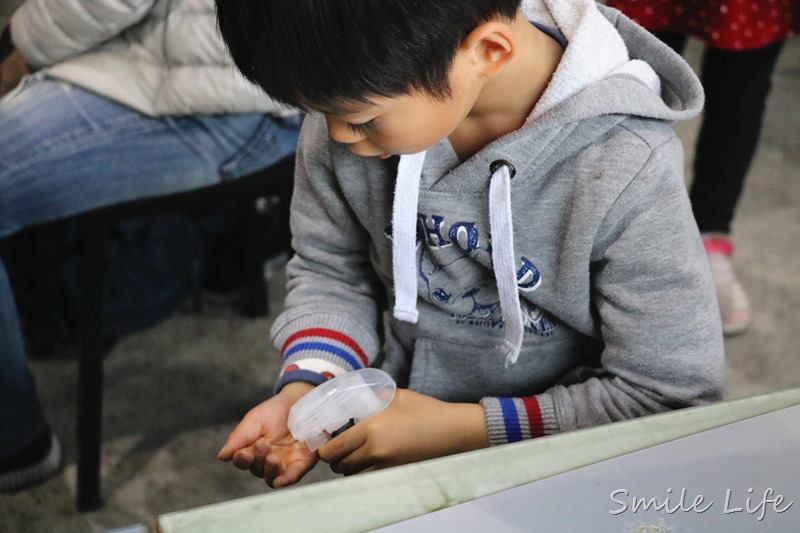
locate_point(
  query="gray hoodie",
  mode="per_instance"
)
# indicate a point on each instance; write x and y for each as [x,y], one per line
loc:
[557,276]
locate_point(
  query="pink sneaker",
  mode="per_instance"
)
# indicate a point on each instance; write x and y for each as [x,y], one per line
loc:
[733,305]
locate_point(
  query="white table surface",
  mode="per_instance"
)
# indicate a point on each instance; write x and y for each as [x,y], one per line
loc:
[567,474]
[701,482]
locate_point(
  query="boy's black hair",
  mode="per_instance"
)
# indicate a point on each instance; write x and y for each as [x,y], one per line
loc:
[321,54]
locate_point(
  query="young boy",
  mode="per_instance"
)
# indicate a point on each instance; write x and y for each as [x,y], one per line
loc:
[533,237]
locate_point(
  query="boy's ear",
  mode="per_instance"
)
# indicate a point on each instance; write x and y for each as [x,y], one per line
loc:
[489,47]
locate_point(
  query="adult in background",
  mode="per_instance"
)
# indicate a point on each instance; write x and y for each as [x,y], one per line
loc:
[105,101]
[743,39]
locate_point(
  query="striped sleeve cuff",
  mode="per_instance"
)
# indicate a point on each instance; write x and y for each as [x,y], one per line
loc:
[315,355]
[515,419]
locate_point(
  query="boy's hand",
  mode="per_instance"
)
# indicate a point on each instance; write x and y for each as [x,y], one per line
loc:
[414,427]
[262,443]
[12,70]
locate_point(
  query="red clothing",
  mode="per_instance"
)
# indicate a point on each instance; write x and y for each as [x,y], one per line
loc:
[726,24]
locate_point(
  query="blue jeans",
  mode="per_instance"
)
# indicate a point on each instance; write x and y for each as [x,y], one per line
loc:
[64,150]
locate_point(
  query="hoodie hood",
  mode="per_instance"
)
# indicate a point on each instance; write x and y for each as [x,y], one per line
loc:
[611,66]
[605,45]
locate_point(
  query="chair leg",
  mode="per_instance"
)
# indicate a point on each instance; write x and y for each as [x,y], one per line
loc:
[257,218]
[47,241]
[90,369]
[255,224]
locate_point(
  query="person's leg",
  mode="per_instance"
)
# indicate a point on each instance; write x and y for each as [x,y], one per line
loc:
[737,84]
[21,417]
[64,151]
[28,451]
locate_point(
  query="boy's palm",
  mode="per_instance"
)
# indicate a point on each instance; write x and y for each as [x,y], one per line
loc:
[262,444]
[280,463]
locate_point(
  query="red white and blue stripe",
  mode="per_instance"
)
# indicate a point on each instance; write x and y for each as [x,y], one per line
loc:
[513,419]
[317,354]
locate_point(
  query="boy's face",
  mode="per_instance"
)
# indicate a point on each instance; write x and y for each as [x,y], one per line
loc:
[405,124]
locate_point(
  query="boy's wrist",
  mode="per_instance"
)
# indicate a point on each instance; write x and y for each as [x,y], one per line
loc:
[470,423]
[296,390]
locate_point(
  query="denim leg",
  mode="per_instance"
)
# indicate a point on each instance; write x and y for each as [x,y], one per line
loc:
[64,150]
[21,416]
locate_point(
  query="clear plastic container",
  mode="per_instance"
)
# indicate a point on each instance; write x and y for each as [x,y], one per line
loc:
[338,404]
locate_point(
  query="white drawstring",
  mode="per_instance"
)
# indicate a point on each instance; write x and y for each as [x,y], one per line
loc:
[404,248]
[503,260]
[404,236]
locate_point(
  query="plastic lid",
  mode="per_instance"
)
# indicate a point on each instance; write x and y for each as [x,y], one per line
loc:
[337,404]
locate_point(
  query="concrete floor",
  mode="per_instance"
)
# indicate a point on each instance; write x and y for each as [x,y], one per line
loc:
[174,392]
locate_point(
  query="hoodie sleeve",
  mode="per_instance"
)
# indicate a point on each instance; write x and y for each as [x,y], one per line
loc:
[47,32]
[329,325]
[659,321]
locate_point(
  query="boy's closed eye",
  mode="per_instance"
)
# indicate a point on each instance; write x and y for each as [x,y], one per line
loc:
[364,127]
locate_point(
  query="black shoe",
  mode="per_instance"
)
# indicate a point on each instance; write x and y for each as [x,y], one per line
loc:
[35,463]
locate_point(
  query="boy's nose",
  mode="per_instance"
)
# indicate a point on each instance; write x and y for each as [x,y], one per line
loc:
[340,132]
